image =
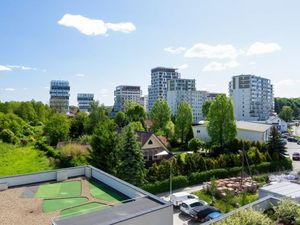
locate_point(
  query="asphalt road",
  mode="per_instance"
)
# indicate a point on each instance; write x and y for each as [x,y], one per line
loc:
[291,148]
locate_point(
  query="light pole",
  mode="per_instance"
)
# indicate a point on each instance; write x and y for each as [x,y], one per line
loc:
[165,153]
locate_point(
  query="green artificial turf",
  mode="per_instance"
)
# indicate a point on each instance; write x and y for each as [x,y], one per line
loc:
[50,205]
[59,190]
[100,191]
[82,209]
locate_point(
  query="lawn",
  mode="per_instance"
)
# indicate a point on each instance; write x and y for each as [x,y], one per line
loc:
[19,160]
[82,209]
[226,205]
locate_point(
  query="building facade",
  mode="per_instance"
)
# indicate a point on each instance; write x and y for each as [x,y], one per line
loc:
[252,97]
[84,101]
[249,131]
[59,95]
[180,90]
[159,84]
[124,93]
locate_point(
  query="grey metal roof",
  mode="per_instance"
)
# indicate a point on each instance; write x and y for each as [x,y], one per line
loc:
[286,189]
[258,127]
[115,214]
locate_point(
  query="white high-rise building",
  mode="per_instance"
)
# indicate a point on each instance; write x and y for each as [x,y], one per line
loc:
[159,84]
[59,95]
[84,101]
[125,93]
[252,97]
[180,90]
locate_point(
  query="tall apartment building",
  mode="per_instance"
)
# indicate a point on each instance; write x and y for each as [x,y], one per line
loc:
[144,100]
[252,97]
[84,101]
[212,95]
[59,95]
[159,84]
[180,90]
[125,93]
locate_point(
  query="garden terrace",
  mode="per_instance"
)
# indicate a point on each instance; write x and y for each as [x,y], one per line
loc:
[77,196]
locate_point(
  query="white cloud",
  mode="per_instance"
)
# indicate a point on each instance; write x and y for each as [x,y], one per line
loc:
[182,67]
[4,68]
[123,27]
[173,50]
[202,50]
[259,48]
[9,89]
[288,82]
[21,67]
[80,75]
[94,27]
[218,66]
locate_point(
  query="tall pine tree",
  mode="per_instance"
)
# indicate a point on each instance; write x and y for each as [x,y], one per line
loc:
[132,161]
[276,147]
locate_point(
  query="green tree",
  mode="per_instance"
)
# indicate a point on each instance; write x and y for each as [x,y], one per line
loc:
[275,145]
[105,147]
[120,119]
[132,160]
[183,122]
[57,128]
[77,124]
[136,126]
[160,115]
[222,125]
[286,113]
[97,115]
[205,108]
[195,144]
[135,113]
[26,111]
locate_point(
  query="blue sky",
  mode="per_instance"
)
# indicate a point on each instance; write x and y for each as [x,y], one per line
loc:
[97,45]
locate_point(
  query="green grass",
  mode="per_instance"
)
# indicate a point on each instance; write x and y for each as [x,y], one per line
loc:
[225,206]
[59,190]
[19,160]
[100,191]
[86,208]
[50,205]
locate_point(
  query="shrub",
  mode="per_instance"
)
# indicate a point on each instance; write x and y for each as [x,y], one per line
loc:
[50,152]
[164,186]
[8,136]
[73,155]
[287,210]
[246,217]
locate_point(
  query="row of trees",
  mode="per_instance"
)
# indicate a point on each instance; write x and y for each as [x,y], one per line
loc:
[288,108]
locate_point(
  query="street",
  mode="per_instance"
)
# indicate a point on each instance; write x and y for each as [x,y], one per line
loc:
[291,148]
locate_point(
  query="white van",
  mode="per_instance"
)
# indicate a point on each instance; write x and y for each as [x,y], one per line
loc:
[179,197]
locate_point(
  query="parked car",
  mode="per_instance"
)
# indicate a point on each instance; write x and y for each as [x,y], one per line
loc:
[292,139]
[296,156]
[298,142]
[189,205]
[178,198]
[205,213]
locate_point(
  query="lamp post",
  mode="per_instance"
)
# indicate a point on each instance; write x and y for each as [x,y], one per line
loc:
[165,153]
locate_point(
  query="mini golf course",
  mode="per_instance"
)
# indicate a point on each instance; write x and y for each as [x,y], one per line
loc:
[67,198]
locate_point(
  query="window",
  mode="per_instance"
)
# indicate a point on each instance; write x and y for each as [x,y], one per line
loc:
[150,142]
[198,131]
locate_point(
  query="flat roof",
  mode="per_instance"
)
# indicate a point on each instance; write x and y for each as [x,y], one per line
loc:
[245,125]
[74,196]
[116,213]
[287,189]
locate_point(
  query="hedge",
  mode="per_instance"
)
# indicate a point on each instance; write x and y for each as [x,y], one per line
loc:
[200,177]
[164,186]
